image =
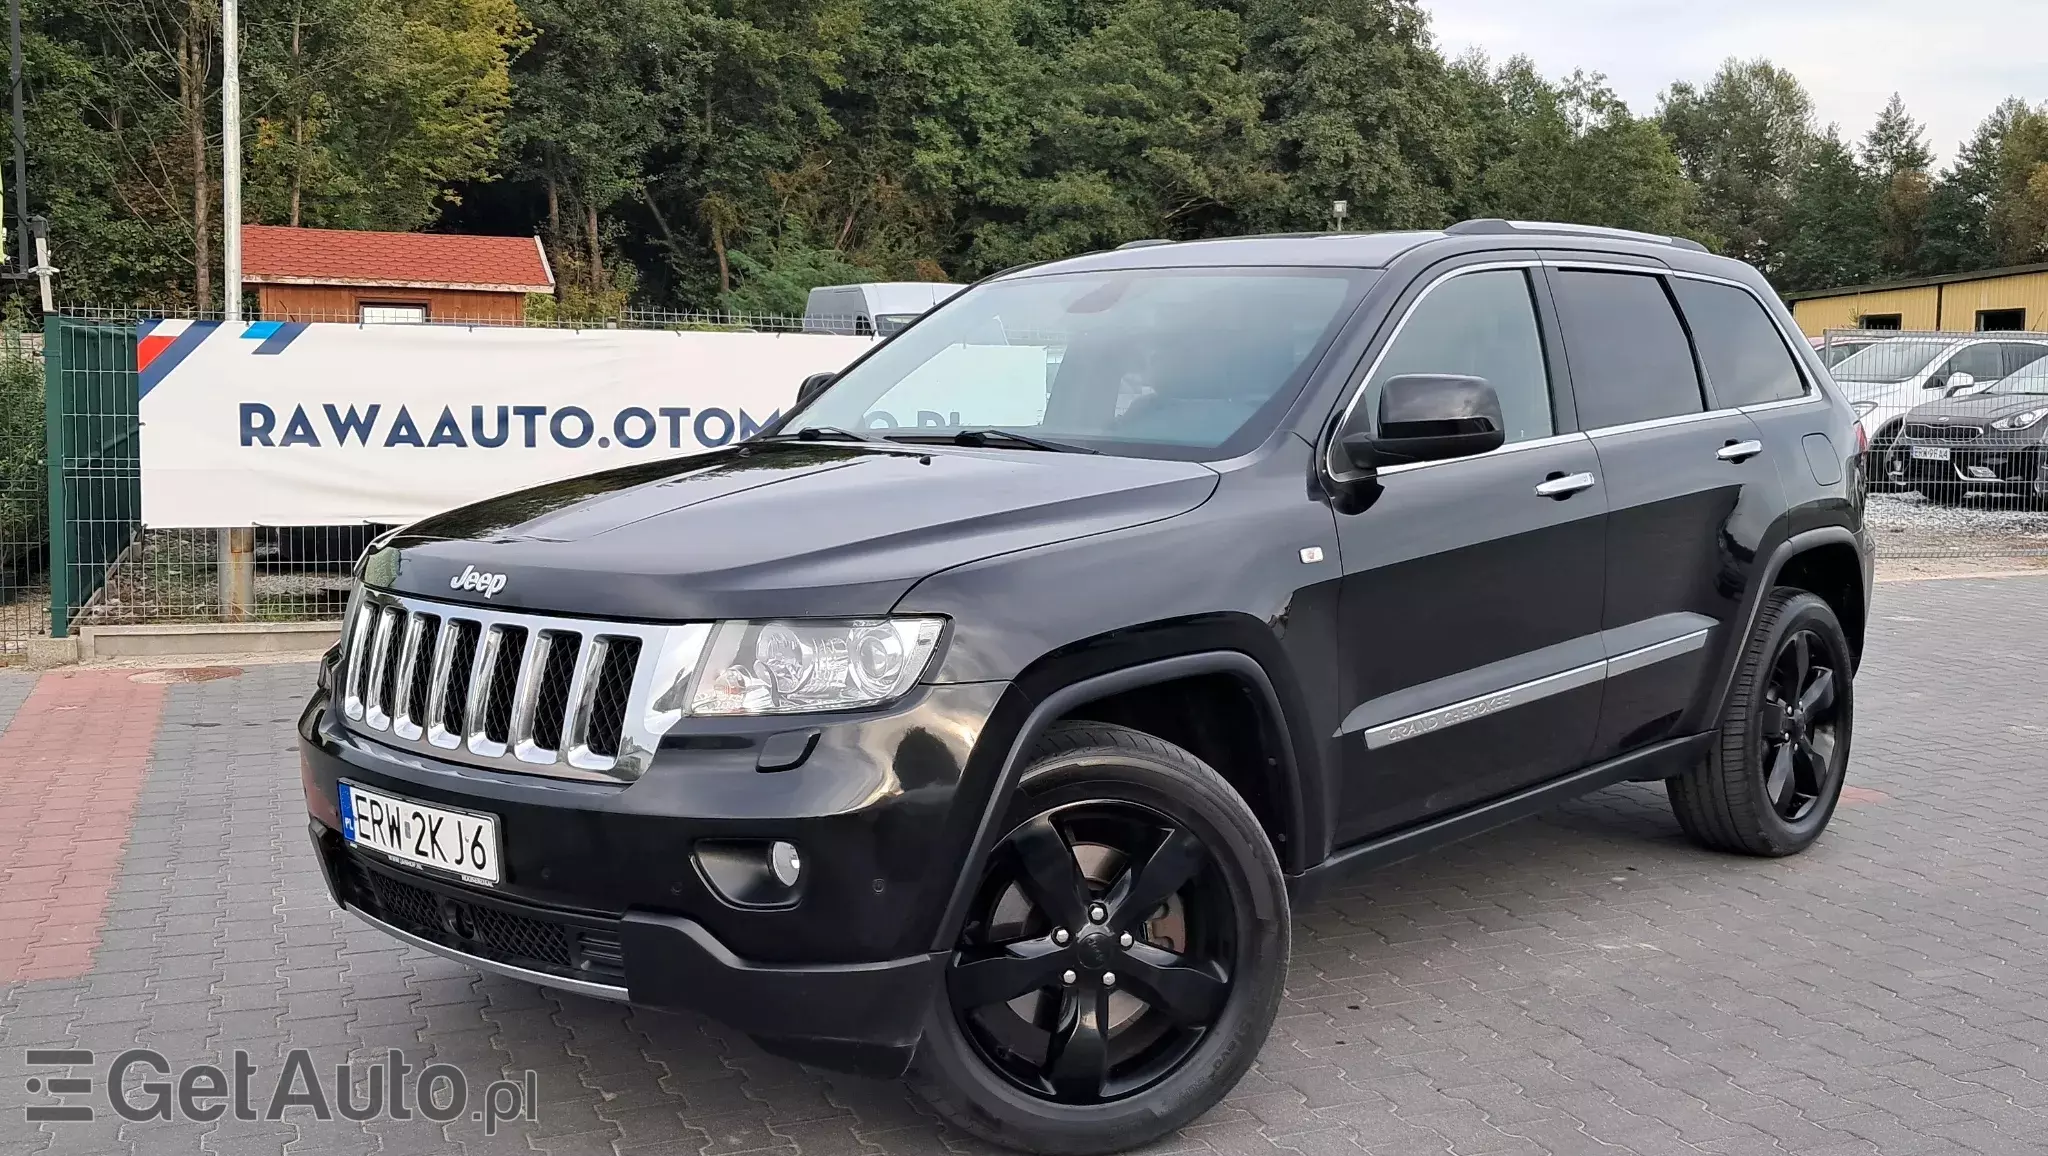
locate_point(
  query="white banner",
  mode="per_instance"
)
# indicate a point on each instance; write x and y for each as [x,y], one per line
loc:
[286,424]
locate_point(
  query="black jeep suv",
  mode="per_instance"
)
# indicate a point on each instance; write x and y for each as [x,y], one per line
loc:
[983,717]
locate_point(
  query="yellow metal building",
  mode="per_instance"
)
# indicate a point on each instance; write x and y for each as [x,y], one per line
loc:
[1996,299]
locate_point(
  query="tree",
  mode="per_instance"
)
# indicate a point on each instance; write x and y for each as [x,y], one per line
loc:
[690,154]
[1958,236]
[1360,107]
[1896,143]
[1740,140]
[1833,224]
[1895,159]
[366,112]
[592,96]
[148,110]
[102,165]
[1568,152]
[1148,129]
[359,114]
[2018,215]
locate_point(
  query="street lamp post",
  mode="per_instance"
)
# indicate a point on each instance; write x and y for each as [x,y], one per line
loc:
[231,158]
[237,543]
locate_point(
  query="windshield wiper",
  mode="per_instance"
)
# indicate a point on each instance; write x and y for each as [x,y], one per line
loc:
[812,433]
[982,437]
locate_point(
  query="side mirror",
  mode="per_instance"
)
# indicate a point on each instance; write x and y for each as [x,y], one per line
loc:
[813,386]
[1959,383]
[1428,417]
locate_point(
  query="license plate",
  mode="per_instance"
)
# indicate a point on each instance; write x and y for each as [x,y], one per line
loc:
[1931,453]
[462,842]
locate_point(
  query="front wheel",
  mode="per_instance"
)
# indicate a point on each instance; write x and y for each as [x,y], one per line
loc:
[1770,784]
[1123,957]
[1887,460]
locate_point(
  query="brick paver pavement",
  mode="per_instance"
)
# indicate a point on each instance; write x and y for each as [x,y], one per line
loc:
[1586,982]
[66,830]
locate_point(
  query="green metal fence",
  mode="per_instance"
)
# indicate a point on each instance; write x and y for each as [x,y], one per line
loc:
[95,464]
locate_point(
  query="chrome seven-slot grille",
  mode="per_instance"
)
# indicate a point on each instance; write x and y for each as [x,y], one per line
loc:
[543,695]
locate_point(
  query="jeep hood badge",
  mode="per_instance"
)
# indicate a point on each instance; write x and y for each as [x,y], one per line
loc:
[472,578]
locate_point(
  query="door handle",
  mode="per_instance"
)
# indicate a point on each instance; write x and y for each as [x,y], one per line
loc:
[1739,451]
[1564,486]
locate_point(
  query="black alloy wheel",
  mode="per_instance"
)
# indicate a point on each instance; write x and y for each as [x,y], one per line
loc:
[1769,783]
[1099,952]
[1799,730]
[1121,955]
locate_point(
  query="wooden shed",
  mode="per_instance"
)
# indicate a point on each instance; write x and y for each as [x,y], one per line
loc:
[391,278]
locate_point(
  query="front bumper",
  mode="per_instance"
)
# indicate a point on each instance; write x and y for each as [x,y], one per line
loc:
[604,893]
[1987,465]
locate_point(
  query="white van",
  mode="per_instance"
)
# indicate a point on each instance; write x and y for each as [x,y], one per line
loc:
[880,307]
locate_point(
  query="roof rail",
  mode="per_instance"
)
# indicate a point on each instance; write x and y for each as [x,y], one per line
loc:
[1146,243]
[1497,225]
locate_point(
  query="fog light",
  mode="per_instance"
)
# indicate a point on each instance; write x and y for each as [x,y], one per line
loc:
[786,863]
[752,872]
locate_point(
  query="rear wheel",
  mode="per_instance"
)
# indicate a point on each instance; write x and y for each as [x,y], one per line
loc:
[1123,957]
[1769,786]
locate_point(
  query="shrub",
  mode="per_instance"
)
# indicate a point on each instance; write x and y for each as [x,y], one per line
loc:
[22,476]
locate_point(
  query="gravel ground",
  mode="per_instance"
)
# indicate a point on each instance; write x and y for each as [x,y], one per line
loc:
[1909,526]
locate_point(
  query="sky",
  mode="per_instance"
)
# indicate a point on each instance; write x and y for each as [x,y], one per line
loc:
[1951,60]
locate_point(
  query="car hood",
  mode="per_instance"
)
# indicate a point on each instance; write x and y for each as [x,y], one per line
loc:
[1877,390]
[1978,408]
[781,529]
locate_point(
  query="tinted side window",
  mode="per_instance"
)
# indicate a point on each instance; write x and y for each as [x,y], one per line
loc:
[1744,353]
[1982,361]
[1629,356]
[1484,325]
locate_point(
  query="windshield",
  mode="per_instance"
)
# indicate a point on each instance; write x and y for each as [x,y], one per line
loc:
[1170,363]
[1837,352]
[1889,361]
[2032,379]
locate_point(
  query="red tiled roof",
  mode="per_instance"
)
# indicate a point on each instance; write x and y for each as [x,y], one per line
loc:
[280,255]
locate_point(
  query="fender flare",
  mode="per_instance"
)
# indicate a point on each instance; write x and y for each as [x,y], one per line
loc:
[1050,708]
[1784,552]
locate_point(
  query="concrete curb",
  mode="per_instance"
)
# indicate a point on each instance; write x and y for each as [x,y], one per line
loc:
[102,643]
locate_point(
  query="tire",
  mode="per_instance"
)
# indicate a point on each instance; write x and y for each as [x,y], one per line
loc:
[1735,800]
[1083,780]
[1942,493]
[1883,448]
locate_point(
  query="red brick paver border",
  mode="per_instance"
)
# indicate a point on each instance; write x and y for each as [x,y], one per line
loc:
[71,765]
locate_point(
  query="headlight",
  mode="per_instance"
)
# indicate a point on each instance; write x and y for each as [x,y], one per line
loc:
[2020,420]
[1863,408]
[797,666]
